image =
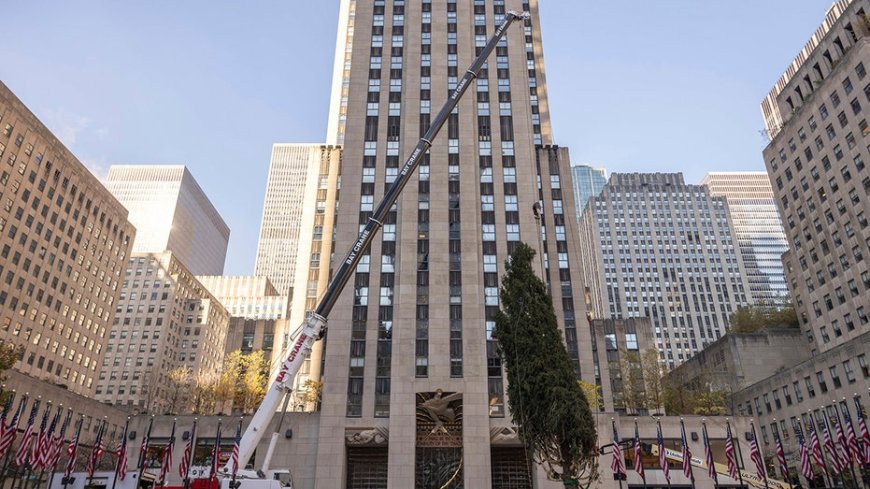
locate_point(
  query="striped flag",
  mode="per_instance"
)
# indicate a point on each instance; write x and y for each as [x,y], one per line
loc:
[708,454]
[816,449]
[216,454]
[24,448]
[236,449]
[865,435]
[8,431]
[618,463]
[663,459]
[166,465]
[188,452]
[842,445]
[45,443]
[729,453]
[143,448]
[687,453]
[780,457]
[121,452]
[96,451]
[638,454]
[755,456]
[806,468]
[854,449]
[832,451]
[37,443]
[73,448]
[57,442]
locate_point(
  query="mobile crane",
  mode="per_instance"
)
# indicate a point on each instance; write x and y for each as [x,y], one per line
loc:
[314,327]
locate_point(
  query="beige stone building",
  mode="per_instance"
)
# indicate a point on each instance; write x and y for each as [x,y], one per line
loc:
[171,212]
[417,315]
[653,246]
[64,245]
[165,319]
[612,339]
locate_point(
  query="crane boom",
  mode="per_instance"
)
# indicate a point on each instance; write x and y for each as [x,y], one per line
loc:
[315,323]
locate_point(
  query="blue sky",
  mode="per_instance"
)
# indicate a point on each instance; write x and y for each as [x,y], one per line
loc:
[635,85]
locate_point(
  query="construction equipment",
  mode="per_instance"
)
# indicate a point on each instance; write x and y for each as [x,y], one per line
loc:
[315,324]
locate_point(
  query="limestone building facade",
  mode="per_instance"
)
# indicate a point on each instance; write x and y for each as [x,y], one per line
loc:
[64,245]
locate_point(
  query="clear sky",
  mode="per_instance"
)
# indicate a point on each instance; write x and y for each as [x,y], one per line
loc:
[635,85]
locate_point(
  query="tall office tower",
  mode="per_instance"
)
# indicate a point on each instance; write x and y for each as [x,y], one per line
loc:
[171,212]
[258,313]
[654,246]
[757,229]
[298,184]
[165,319]
[64,243]
[588,182]
[413,330]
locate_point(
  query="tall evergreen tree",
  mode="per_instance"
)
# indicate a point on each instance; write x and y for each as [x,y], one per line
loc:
[546,402]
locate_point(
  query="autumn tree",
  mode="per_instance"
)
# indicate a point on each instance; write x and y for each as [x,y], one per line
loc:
[653,379]
[546,402]
[253,377]
[178,383]
[632,394]
[593,394]
[9,354]
[750,319]
[202,392]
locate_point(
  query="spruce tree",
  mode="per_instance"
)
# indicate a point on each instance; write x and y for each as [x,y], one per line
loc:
[546,402]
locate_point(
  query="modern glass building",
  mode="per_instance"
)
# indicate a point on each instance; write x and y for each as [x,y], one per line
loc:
[588,182]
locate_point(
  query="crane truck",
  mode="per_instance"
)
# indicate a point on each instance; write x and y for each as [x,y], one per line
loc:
[314,327]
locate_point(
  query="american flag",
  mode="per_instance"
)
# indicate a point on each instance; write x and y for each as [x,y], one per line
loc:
[143,448]
[755,456]
[617,464]
[8,431]
[816,449]
[851,440]
[121,453]
[806,468]
[708,455]
[216,455]
[638,453]
[865,435]
[24,449]
[57,442]
[167,457]
[96,451]
[842,445]
[780,457]
[184,467]
[687,454]
[729,453]
[37,444]
[72,449]
[663,459]
[43,442]
[239,441]
[832,452]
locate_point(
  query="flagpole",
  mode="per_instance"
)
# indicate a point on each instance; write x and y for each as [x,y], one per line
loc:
[124,444]
[685,443]
[707,446]
[739,453]
[56,459]
[22,404]
[760,455]
[637,460]
[860,411]
[71,463]
[192,453]
[845,448]
[617,452]
[95,449]
[142,456]
[834,456]
[829,474]
[30,467]
[47,447]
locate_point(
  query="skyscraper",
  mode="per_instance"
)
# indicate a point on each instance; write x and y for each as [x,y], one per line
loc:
[171,212]
[656,247]
[758,230]
[64,244]
[588,182]
[414,327]
[294,212]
